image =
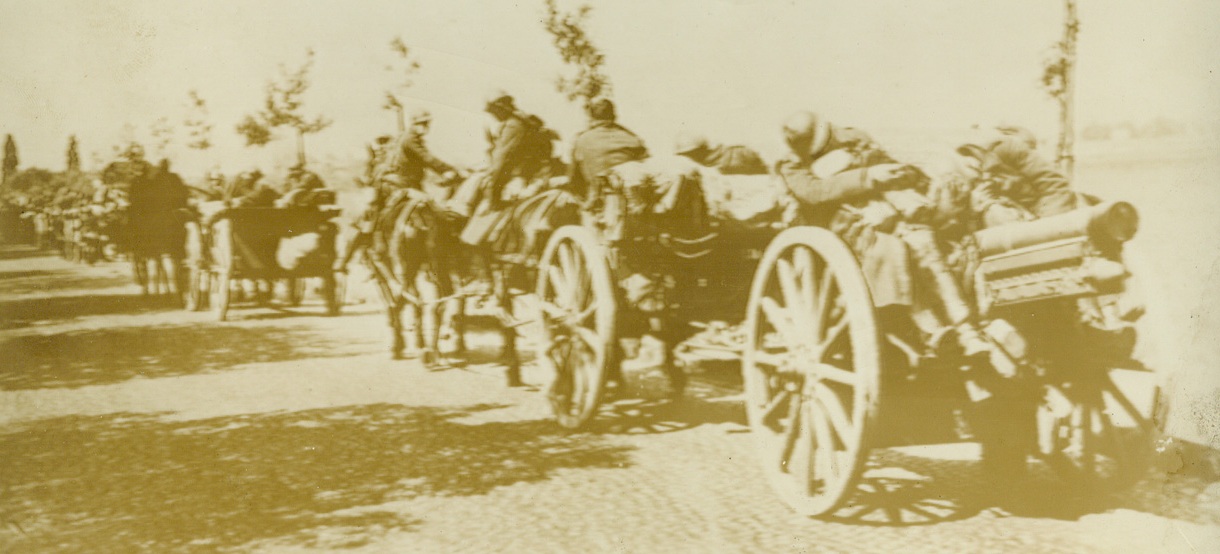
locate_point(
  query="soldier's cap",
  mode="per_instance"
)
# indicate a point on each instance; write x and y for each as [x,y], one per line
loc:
[421,116]
[499,98]
[689,142]
[601,109]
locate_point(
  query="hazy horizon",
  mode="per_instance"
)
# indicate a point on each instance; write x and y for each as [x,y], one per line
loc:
[730,69]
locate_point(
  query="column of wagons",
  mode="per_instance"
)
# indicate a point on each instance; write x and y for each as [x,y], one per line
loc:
[825,383]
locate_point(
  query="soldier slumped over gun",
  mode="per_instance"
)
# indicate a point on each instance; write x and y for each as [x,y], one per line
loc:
[731,159]
[845,183]
[1015,183]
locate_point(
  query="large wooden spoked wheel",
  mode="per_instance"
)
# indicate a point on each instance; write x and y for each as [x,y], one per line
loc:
[1093,437]
[577,316]
[811,368]
[1096,434]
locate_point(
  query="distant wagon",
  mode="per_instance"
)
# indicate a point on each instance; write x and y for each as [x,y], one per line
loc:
[236,244]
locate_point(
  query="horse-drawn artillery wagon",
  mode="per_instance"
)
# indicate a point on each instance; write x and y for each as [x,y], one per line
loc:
[827,380]
[236,244]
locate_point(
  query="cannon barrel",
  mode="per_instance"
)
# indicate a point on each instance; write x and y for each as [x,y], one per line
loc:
[1107,222]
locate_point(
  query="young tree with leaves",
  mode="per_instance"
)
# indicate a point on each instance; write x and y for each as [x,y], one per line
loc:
[282,108]
[403,71]
[162,134]
[10,159]
[73,155]
[198,125]
[568,33]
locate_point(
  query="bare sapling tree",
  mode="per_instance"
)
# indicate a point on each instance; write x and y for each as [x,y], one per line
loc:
[402,70]
[1058,80]
[586,79]
[282,107]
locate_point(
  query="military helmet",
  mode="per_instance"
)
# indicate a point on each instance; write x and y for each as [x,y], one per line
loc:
[689,142]
[806,127]
[421,116]
[499,98]
[134,151]
[601,109]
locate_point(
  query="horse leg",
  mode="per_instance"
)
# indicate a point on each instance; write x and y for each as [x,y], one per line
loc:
[508,334]
[139,266]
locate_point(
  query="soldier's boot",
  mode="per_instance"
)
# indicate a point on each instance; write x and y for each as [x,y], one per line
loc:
[957,310]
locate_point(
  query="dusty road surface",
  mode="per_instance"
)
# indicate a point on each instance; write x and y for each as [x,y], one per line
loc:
[129,426]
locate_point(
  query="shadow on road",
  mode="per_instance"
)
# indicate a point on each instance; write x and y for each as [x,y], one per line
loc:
[40,281]
[25,312]
[322,478]
[105,356]
[899,490]
[644,416]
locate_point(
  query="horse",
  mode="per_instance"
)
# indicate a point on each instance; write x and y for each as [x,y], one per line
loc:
[418,261]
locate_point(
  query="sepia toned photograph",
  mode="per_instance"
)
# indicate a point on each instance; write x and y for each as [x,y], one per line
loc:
[724,276]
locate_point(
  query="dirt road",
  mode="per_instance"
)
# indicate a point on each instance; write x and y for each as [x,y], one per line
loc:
[130,426]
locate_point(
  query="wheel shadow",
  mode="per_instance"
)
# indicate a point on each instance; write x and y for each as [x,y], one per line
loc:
[107,356]
[326,479]
[639,416]
[899,490]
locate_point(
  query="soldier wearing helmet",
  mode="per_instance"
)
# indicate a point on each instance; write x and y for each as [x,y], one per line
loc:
[602,146]
[732,159]
[521,148]
[1015,183]
[408,157]
[845,182]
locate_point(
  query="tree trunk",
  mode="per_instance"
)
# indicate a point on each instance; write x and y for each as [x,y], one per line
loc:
[301,148]
[1067,127]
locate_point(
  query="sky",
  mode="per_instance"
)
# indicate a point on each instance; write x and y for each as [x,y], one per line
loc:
[731,69]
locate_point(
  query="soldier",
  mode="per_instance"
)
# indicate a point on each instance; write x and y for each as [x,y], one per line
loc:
[402,166]
[602,146]
[409,158]
[377,153]
[844,182]
[728,159]
[1015,182]
[521,149]
[301,186]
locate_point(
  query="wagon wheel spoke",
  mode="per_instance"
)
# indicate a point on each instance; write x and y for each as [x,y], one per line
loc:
[802,260]
[833,408]
[824,450]
[824,299]
[838,375]
[780,322]
[791,433]
[794,302]
[769,359]
[832,334]
[771,409]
